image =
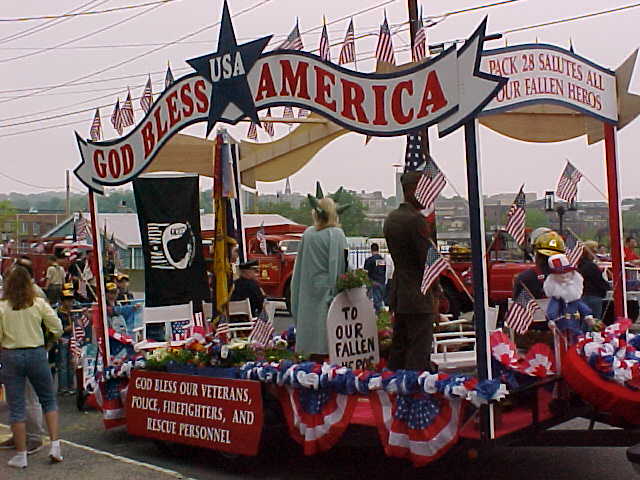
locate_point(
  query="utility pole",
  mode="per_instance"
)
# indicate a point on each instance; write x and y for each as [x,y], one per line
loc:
[414,24]
[67,205]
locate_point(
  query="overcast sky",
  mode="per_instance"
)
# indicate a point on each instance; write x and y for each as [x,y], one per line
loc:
[41,157]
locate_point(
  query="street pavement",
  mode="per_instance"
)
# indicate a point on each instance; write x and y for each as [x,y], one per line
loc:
[93,453]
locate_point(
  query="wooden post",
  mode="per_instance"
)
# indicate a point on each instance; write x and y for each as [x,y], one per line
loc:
[102,327]
[615,222]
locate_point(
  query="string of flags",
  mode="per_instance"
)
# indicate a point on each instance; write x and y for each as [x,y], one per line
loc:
[123,113]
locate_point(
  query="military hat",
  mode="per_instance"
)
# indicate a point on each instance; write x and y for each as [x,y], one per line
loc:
[249,265]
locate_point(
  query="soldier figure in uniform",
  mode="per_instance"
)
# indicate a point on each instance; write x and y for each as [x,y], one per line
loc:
[247,287]
[408,236]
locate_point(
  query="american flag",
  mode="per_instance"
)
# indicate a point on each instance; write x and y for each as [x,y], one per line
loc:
[147,97]
[384,50]
[222,328]
[287,112]
[516,217]
[126,112]
[325,50]
[433,267]
[520,315]
[262,332]
[198,319]
[180,330]
[268,126]
[348,50]
[414,158]
[430,184]
[568,184]
[293,41]
[252,133]
[262,239]
[115,118]
[80,229]
[303,112]
[419,50]
[76,340]
[575,248]
[168,78]
[96,127]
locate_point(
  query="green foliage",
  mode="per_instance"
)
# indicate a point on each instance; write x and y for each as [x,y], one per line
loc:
[7,214]
[353,279]
[353,219]
[536,218]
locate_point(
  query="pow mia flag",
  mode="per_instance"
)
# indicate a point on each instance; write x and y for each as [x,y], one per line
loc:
[169,219]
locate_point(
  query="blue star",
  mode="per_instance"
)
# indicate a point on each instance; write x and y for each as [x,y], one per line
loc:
[227,71]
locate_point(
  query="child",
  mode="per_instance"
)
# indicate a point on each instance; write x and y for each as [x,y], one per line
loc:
[64,363]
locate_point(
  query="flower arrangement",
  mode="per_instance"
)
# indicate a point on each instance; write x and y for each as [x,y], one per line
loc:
[353,279]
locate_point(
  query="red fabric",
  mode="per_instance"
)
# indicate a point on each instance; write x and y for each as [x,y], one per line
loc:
[630,255]
[321,443]
[607,396]
[429,434]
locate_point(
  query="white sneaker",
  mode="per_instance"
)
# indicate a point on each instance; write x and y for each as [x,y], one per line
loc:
[55,454]
[19,460]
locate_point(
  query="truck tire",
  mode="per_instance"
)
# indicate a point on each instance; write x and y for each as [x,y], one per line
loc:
[287,297]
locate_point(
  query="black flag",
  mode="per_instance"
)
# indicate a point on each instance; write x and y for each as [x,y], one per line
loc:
[169,218]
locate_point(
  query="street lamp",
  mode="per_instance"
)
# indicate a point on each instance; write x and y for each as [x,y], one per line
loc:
[549,206]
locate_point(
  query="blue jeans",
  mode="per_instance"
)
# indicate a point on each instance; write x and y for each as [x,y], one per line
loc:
[377,294]
[595,304]
[64,366]
[21,364]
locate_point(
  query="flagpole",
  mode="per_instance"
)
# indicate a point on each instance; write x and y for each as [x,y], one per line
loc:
[102,327]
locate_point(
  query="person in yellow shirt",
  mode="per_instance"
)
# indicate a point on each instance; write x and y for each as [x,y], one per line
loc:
[23,356]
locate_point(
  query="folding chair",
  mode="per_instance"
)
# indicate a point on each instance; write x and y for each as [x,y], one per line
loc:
[156,329]
[241,309]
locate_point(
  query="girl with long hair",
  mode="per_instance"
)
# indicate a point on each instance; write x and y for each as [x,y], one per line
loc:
[23,317]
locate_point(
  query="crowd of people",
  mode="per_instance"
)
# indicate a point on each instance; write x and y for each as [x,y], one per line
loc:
[36,325]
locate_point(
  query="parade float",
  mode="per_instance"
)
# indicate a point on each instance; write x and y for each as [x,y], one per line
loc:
[184,380]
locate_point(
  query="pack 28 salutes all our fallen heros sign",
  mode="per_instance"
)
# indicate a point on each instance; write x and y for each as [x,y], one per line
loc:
[216,413]
[238,80]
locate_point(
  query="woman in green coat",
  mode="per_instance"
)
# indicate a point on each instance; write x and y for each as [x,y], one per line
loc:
[319,263]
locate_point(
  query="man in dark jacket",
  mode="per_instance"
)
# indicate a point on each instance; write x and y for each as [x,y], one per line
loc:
[247,287]
[595,286]
[546,245]
[408,238]
[376,268]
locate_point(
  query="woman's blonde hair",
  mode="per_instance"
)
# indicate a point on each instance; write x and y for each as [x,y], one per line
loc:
[326,215]
[18,289]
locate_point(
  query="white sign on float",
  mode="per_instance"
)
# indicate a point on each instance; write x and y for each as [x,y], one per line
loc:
[549,74]
[352,331]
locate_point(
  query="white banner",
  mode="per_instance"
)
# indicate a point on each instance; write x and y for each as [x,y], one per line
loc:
[541,73]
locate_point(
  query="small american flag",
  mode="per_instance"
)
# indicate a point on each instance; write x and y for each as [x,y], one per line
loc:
[115,118]
[293,41]
[430,184]
[575,248]
[80,229]
[414,157]
[433,267]
[198,319]
[419,50]
[147,97]
[262,332]
[268,126]
[348,50]
[222,328]
[96,127]
[568,184]
[262,239]
[127,117]
[76,340]
[325,50]
[252,133]
[384,50]
[516,217]
[288,112]
[180,330]
[168,78]
[303,112]
[520,315]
